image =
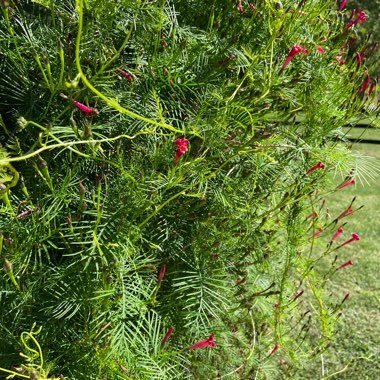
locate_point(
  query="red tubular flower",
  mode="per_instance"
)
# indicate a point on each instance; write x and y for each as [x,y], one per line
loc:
[337,233]
[126,75]
[252,6]
[344,213]
[359,58]
[161,275]
[274,349]
[167,336]
[373,48]
[313,215]
[240,7]
[317,233]
[371,88]
[320,165]
[86,109]
[298,295]
[362,53]
[353,12]
[354,237]
[321,50]
[345,264]
[182,148]
[348,183]
[204,343]
[342,5]
[365,84]
[361,17]
[296,49]
[352,43]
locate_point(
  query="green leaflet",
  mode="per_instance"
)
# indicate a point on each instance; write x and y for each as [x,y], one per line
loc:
[45,3]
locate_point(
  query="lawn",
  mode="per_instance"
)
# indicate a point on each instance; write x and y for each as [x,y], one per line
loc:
[356,351]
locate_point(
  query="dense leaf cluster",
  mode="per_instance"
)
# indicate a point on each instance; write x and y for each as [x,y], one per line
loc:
[96,205]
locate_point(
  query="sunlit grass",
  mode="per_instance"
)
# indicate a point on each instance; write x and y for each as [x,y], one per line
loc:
[356,350]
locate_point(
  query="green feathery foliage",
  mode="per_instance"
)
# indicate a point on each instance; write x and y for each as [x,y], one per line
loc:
[114,228]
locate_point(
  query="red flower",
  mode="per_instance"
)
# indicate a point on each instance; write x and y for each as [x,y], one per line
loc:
[363,88]
[361,17]
[167,336]
[345,298]
[371,88]
[298,295]
[342,5]
[161,275]
[296,49]
[345,264]
[348,183]
[274,349]
[362,53]
[344,213]
[352,42]
[86,109]
[320,165]
[126,75]
[240,7]
[204,343]
[313,215]
[359,58]
[317,233]
[251,6]
[182,148]
[337,233]
[373,48]
[321,50]
[354,237]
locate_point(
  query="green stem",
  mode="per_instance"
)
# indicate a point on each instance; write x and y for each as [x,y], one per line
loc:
[37,58]
[110,102]
[6,161]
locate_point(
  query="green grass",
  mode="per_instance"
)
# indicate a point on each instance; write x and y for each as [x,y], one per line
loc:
[356,351]
[362,133]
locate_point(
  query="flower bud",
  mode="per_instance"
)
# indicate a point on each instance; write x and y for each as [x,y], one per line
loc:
[82,189]
[7,266]
[34,375]
[22,122]
[42,164]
